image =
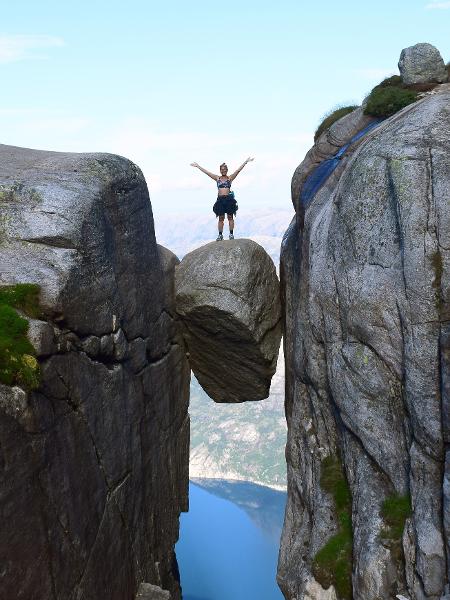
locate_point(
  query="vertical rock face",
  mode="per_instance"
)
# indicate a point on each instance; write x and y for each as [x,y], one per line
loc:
[94,462]
[365,283]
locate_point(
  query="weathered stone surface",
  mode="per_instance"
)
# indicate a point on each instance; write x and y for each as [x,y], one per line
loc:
[326,146]
[422,63]
[152,592]
[227,296]
[42,336]
[365,286]
[91,345]
[94,463]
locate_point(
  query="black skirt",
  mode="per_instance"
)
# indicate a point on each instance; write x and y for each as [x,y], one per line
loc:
[225,204]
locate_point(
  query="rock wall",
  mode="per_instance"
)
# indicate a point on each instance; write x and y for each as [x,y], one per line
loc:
[365,284]
[94,462]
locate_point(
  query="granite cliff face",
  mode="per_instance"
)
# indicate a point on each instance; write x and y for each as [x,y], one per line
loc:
[365,283]
[94,462]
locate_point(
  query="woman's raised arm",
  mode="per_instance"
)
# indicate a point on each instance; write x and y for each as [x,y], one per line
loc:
[215,177]
[236,173]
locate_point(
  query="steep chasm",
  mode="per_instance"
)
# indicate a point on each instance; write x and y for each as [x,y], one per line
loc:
[94,459]
[228,302]
[365,289]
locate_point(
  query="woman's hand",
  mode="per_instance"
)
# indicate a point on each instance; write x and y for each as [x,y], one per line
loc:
[212,175]
[233,176]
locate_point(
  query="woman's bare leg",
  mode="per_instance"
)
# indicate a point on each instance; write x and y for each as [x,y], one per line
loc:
[231,223]
[221,222]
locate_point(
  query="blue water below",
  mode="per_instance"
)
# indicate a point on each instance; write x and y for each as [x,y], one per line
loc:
[229,541]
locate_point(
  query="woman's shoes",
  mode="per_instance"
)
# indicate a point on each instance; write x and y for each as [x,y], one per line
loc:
[219,238]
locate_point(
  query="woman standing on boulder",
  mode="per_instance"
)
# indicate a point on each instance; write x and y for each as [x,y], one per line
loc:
[226,202]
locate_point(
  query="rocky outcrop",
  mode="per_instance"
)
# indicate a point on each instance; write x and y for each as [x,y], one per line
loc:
[227,297]
[151,592]
[94,462]
[422,63]
[328,144]
[365,286]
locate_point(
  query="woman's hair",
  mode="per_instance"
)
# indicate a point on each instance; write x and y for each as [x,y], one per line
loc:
[223,165]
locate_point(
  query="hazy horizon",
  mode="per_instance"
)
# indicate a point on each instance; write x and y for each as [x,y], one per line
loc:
[166,84]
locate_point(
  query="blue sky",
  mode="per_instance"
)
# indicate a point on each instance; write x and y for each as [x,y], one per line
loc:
[168,83]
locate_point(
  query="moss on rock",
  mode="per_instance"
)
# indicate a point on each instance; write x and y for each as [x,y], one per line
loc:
[385,101]
[18,364]
[332,564]
[395,510]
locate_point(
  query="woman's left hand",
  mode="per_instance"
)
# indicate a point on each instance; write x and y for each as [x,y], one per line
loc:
[249,159]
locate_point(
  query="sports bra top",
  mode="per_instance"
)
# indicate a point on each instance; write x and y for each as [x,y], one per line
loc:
[224,184]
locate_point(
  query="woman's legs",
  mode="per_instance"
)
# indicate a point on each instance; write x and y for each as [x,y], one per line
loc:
[231,225]
[220,224]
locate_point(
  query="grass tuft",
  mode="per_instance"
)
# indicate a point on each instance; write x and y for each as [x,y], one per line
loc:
[24,296]
[18,364]
[387,100]
[332,564]
[331,118]
[395,510]
[393,80]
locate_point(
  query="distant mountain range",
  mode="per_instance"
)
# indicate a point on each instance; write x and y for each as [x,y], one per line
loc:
[239,441]
[234,441]
[182,233]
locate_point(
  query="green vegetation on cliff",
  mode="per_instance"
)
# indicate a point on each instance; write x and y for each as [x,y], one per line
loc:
[331,118]
[333,563]
[391,95]
[395,510]
[386,101]
[17,362]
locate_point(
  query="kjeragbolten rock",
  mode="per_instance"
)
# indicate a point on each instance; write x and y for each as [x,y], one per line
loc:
[227,298]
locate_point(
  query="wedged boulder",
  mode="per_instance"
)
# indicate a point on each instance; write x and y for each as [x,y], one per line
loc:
[366,289]
[422,63]
[94,461]
[227,297]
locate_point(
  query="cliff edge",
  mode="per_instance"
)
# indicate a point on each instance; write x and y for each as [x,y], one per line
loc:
[95,438]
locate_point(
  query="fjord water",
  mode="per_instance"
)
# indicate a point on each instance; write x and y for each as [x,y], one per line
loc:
[229,540]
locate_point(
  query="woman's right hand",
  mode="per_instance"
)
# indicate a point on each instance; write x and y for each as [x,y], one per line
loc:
[194,164]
